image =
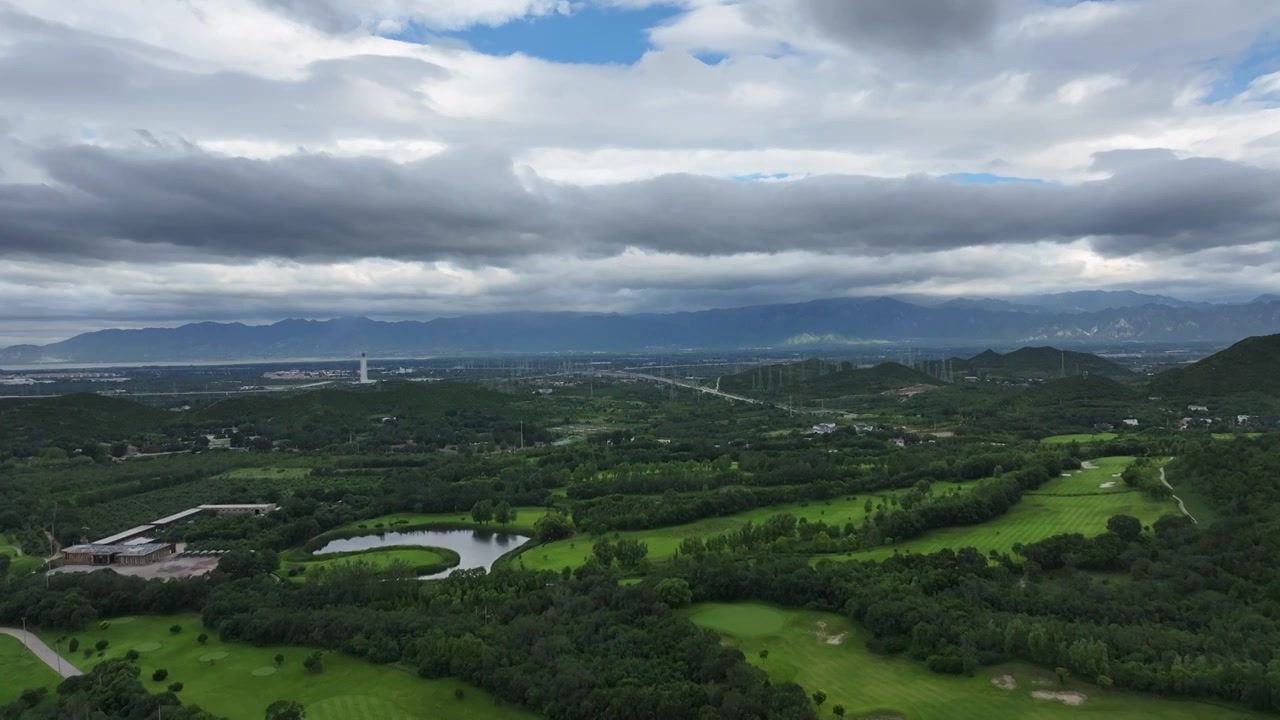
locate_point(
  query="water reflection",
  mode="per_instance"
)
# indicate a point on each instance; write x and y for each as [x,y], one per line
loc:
[475,548]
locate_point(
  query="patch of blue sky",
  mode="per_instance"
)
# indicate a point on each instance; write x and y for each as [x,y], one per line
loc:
[987,179]
[1263,58]
[589,35]
[758,177]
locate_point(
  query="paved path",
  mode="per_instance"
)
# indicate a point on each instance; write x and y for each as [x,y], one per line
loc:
[42,651]
[1181,506]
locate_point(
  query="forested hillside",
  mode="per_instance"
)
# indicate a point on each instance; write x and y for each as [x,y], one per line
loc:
[1039,362]
[1250,366]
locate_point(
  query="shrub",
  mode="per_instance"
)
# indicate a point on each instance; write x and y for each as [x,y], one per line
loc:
[175,687]
[74,645]
[101,645]
[175,629]
[132,656]
[459,693]
[202,638]
[160,675]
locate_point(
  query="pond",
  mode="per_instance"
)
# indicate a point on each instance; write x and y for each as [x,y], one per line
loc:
[476,548]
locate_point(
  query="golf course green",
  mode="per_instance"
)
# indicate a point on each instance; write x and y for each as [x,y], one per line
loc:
[824,651]
[663,542]
[239,681]
[1075,504]
[21,670]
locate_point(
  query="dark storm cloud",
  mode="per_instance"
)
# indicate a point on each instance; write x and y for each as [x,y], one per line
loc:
[915,26]
[475,206]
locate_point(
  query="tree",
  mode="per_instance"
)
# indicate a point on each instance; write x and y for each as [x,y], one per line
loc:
[838,710]
[101,645]
[764,654]
[553,526]
[819,697]
[5,561]
[159,675]
[202,638]
[630,553]
[119,450]
[314,663]
[1126,527]
[674,592]
[132,656]
[503,514]
[74,645]
[603,551]
[279,659]
[460,693]
[1063,675]
[175,629]
[286,710]
[482,511]
[175,687]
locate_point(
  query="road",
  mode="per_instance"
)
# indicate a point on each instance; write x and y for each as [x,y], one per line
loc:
[687,385]
[1181,506]
[42,651]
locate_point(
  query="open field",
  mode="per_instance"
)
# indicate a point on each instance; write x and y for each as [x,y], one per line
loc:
[664,541]
[22,671]
[1079,438]
[1039,516]
[824,651]
[239,681]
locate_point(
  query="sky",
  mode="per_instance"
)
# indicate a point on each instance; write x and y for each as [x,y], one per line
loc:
[169,161]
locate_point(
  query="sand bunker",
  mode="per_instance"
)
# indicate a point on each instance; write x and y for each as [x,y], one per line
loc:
[1088,465]
[1005,682]
[1066,698]
[1107,484]
[824,636]
[1066,474]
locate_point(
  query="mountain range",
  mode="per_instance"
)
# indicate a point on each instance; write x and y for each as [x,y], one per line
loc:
[1130,317]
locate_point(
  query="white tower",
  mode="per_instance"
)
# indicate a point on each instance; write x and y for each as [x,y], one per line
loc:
[364,369]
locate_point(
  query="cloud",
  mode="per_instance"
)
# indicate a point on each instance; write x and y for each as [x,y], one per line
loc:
[477,206]
[914,26]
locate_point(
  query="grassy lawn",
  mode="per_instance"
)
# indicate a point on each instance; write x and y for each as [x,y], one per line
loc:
[22,671]
[525,518]
[823,651]
[1079,438]
[664,541]
[1104,471]
[239,680]
[18,564]
[378,559]
[1037,517]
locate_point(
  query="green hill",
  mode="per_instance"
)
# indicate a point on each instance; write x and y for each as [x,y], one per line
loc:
[72,421]
[1070,405]
[815,378]
[1250,366]
[1040,362]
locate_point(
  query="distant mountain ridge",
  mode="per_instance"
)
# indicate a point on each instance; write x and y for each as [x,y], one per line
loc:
[834,322]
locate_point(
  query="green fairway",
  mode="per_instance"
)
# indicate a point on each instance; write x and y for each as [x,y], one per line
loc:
[415,557]
[1079,438]
[239,681]
[1039,516]
[525,518]
[21,670]
[823,651]
[19,564]
[1101,475]
[663,542]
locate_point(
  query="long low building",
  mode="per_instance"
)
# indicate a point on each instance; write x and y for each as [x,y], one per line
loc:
[242,509]
[109,554]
